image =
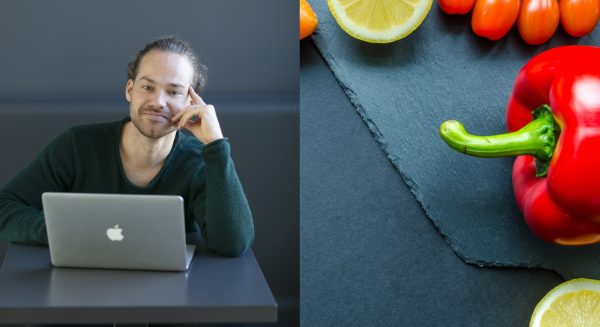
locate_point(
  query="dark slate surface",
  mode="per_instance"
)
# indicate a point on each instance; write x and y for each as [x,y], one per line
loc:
[369,256]
[405,90]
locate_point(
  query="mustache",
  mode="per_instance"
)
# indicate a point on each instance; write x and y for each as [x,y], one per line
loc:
[164,113]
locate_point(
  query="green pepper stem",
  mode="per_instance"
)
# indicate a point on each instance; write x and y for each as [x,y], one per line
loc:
[538,138]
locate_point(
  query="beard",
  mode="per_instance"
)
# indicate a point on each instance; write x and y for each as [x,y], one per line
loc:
[149,128]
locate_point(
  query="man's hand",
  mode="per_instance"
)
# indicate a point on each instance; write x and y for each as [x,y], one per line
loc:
[206,125]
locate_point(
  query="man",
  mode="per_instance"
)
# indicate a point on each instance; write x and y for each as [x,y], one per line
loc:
[145,153]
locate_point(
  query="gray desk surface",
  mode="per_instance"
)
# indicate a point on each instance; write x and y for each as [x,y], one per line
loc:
[215,289]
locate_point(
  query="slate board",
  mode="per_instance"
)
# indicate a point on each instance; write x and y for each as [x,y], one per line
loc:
[405,90]
[369,255]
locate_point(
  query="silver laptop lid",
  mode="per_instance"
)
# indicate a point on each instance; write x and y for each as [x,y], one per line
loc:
[121,231]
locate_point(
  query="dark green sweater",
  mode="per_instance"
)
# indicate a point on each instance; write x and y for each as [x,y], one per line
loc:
[86,159]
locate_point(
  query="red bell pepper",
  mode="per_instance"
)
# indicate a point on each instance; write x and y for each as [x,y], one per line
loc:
[553,116]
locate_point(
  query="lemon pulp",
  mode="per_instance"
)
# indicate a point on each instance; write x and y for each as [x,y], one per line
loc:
[575,303]
[379,21]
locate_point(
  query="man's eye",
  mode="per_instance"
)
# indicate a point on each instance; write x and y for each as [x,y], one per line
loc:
[146,88]
[174,92]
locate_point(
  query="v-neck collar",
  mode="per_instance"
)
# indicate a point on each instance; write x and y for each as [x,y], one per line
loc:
[160,173]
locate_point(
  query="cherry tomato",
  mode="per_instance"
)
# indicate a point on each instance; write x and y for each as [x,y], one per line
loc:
[492,19]
[579,17]
[538,20]
[308,19]
[460,7]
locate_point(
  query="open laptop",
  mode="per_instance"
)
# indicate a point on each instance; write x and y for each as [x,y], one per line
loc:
[116,231]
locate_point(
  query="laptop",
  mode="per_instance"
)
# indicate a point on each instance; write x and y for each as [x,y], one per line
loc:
[116,231]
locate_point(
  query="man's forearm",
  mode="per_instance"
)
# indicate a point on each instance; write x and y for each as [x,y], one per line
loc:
[21,223]
[228,226]
[21,217]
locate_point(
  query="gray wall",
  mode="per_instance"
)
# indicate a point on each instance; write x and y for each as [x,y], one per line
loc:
[78,49]
[64,63]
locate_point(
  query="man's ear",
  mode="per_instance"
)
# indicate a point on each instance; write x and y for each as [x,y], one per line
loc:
[128,89]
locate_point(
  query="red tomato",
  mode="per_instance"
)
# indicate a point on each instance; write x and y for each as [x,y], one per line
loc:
[456,6]
[538,20]
[492,19]
[579,17]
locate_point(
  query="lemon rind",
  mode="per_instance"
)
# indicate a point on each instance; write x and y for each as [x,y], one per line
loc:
[573,285]
[394,34]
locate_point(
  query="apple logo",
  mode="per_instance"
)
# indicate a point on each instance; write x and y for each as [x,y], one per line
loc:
[115,233]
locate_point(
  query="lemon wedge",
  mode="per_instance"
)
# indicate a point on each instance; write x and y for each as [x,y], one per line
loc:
[379,21]
[575,303]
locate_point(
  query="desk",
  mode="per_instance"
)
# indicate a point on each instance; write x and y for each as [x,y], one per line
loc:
[215,289]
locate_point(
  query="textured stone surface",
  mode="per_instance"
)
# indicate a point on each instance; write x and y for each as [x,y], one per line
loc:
[369,255]
[405,90]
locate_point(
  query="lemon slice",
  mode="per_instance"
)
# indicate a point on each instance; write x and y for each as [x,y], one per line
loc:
[379,21]
[575,303]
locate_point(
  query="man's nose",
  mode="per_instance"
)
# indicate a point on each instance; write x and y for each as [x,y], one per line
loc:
[159,99]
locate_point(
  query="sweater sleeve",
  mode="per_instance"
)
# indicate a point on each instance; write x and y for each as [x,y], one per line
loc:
[21,216]
[222,210]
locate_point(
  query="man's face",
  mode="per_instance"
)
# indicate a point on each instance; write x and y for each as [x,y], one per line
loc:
[160,91]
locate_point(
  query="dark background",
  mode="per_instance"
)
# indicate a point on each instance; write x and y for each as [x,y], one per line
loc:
[64,63]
